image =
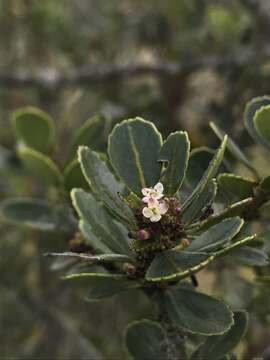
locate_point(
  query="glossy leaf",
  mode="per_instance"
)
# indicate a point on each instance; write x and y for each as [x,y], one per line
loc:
[250,256]
[134,147]
[233,148]
[217,235]
[93,133]
[35,214]
[106,230]
[250,111]
[174,153]
[103,285]
[34,128]
[104,184]
[40,166]
[175,265]
[196,312]
[234,187]
[146,340]
[262,124]
[73,176]
[215,347]
[207,177]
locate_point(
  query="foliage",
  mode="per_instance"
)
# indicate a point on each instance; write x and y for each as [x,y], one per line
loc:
[121,247]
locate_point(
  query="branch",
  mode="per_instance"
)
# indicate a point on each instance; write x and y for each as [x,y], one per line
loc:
[52,79]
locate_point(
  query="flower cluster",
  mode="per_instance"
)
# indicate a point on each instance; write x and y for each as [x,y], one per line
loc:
[156,206]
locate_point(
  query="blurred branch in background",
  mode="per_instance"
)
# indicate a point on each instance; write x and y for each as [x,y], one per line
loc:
[89,76]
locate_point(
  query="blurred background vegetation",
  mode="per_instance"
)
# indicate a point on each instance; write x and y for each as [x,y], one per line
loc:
[178,63]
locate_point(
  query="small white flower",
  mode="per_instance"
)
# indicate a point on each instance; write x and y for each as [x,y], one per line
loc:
[155,210]
[154,193]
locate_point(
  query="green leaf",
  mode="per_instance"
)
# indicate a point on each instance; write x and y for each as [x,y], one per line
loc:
[146,340]
[40,166]
[104,184]
[215,347]
[35,214]
[134,147]
[103,285]
[91,239]
[93,259]
[93,133]
[175,154]
[262,124]
[207,177]
[250,256]
[234,187]
[106,230]
[217,235]
[73,176]
[199,161]
[233,148]
[204,201]
[234,246]
[236,209]
[34,128]
[250,111]
[196,312]
[176,265]
[264,185]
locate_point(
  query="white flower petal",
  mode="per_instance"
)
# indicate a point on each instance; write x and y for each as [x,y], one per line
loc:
[146,191]
[163,207]
[148,213]
[155,218]
[159,188]
[153,203]
[145,199]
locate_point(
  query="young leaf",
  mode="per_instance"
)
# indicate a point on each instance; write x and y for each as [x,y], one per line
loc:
[103,285]
[233,148]
[146,340]
[196,312]
[217,235]
[235,187]
[40,166]
[207,177]
[250,111]
[176,265]
[217,346]
[104,184]
[108,231]
[73,176]
[34,214]
[262,124]
[250,256]
[134,147]
[34,128]
[205,200]
[175,154]
[93,133]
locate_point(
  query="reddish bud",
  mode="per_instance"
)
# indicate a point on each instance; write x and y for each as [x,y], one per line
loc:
[178,210]
[143,234]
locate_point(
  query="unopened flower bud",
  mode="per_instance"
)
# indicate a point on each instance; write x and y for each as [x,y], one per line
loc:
[185,242]
[178,210]
[129,269]
[143,234]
